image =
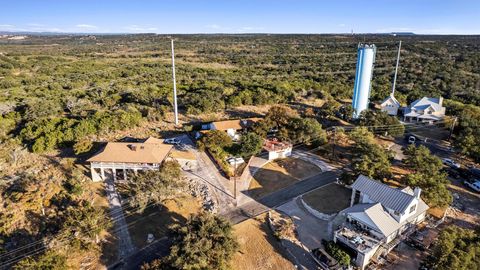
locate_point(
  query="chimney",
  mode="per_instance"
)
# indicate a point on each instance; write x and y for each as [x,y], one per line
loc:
[416,192]
[440,101]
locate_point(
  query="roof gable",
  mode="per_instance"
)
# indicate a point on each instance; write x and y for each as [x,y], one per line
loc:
[425,102]
[389,197]
[376,218]
[390,100]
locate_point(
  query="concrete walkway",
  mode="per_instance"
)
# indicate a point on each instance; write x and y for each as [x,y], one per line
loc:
[243,184]
[125,245]
[312,158]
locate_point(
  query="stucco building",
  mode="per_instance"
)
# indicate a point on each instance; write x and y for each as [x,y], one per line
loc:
[120,159]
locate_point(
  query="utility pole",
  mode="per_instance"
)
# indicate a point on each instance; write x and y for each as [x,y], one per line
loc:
[452,127]
[334,141]
[174,86]
[235,182]
[396,68]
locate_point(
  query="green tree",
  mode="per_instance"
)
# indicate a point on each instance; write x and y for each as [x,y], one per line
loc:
[152,186]
[82,225]
[428,176]
[456,248]
[82,146]
[39,108]
[251,144]
[337,253]
[370,159]
[215,141]
[51,260]
[421,160]
[329,109]
[205,242]
[390,124]
[279,116]
[306,130]
[468,131]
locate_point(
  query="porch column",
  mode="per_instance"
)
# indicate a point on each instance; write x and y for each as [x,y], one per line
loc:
[102,172]
[125,174]
[114,171]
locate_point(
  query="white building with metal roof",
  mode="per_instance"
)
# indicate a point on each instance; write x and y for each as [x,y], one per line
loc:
[425,109]
[378,218]
[390,105]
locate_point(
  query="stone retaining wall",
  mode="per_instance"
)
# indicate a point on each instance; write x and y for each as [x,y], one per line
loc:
[316,213]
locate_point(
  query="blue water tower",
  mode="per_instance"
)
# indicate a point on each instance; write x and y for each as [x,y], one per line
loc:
[363,78]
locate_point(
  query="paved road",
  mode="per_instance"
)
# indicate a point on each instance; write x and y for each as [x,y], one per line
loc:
[125,245]
[255,208]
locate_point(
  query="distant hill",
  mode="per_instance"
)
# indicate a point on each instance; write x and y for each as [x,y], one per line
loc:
[403,33]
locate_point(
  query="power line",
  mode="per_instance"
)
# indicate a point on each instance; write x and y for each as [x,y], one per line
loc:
[64,240]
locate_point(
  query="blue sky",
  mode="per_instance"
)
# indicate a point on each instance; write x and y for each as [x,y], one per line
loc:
[247,16]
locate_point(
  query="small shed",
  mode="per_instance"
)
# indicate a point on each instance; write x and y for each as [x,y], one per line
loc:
[277,149]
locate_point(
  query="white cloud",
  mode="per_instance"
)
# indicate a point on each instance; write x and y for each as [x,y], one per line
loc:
[86,26]
[7,26]
[395,29]
[35,24]
[250,29]
[137,28]
[342,25]
[213,26]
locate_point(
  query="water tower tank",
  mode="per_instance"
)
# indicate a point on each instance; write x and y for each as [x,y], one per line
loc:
[363,77]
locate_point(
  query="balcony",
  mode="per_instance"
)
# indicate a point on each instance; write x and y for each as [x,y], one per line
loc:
[357,239]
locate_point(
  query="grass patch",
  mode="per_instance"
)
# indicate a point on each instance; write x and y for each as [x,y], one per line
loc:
[156,220]
[279,174]
[259,249]
[329,199]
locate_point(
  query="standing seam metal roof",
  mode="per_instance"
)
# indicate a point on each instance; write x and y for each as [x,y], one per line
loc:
[389,197]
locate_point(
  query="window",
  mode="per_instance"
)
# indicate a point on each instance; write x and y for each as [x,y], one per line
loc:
[412,208]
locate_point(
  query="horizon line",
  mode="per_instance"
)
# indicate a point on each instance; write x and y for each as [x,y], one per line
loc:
[235,33]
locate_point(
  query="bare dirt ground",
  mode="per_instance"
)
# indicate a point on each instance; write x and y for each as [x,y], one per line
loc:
[466,206]
[404,257]
[329,199]
[259,249]
[279,174]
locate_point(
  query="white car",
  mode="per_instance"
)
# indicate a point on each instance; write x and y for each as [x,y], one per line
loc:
[451,163]
[172,141]
[473,185]
[234,160]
